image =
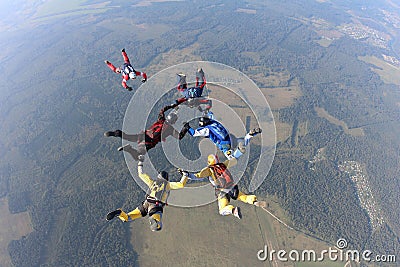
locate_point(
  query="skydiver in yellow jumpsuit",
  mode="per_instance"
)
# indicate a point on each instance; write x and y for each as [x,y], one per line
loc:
[156,198]
[225,187]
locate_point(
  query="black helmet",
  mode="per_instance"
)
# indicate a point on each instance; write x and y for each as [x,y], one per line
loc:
[163,175]
[203,121]
[172,117]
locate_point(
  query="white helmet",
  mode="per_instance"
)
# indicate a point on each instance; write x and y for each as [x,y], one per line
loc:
[132,75]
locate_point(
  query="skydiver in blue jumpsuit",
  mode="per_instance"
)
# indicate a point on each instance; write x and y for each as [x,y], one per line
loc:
[218,134]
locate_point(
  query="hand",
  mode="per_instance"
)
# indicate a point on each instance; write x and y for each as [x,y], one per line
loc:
[141,158]
[186,126]
[182,172]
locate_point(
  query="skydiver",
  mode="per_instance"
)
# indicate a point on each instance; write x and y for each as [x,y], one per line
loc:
[127,71]
[156,198]
[218,134]
[224,185]
[193,95]
[149,138]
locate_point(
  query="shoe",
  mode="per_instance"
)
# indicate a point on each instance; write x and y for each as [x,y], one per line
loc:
[112,214]
[122,50]
[180,74]
[237,213]
[121,148]
[154,226]
[116,133]
[129,88]
[255,131]
[241,147]
[261,204]
[107,62]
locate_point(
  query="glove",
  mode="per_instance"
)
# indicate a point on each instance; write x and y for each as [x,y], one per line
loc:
[141,158]
[144,80]
[184,130]
[129,88]
[186,126]
[182,172]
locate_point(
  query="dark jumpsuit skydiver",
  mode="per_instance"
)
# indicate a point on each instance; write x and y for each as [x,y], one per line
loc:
[192,96]
[156,199]
[127,71]
[149,138]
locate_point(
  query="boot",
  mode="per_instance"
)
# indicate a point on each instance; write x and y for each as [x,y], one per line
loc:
[112,214]
[116,133]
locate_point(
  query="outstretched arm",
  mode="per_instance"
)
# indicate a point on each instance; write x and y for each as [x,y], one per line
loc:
[176,134]
[145,177]
[180,184]
[230,162]
[161,115]
[202,174]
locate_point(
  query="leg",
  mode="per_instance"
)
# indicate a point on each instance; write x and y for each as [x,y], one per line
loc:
[135,153]
[132,137]
[125,56]
[155,217]
[204,101]
[251,134]
[125,136]
[130,216]
[139,212]
[240,150]
[225,208]
[200,78]
[128,148]
[182,85]
[249,199]
[223,205]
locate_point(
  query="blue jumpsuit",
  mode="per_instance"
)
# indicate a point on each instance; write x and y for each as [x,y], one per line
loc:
[217,133]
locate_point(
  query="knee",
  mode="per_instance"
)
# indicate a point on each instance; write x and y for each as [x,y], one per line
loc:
[226,210]
[251,199]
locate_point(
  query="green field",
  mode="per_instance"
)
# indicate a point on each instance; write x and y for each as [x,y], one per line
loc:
[388,72]
[12,227]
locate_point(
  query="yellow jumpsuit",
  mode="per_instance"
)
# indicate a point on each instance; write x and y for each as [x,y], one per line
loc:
[153,205]
[224,206]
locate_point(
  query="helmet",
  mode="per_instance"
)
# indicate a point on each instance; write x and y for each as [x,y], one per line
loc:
[212,159]
[172,117]
[163,175]
[203,121]
[132,75]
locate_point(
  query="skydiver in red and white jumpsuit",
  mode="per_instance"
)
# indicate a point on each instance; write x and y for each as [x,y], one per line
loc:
[127,71]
